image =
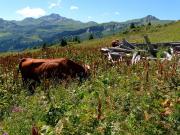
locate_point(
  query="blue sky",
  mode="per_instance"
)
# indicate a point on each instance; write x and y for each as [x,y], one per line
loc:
[91,10]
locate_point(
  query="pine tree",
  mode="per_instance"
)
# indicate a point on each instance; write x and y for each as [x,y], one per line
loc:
[76,39]
[149,24]
[132,26]
[63,42]
[91,36]
[44,46]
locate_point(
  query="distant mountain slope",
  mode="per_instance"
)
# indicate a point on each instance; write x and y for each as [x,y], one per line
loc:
[147,19]
[30,32]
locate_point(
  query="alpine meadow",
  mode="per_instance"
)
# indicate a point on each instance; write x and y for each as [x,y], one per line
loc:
[117,86]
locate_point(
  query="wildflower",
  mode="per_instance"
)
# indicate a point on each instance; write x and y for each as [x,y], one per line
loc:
[16,109]
[5,133]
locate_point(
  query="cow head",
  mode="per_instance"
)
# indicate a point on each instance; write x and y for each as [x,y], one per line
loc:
[85,75]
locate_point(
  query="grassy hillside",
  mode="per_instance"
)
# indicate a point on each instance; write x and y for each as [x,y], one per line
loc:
[17,35]
[160,33]
[118,99]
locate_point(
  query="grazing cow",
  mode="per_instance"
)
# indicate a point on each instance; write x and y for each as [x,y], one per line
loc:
[60,68]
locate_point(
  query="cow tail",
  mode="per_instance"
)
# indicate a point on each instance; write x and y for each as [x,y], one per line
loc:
[17,71]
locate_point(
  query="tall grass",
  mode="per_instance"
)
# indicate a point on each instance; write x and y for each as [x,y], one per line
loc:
[118,99]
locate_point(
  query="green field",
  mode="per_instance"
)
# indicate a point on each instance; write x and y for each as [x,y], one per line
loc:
[4,34]
[120,99]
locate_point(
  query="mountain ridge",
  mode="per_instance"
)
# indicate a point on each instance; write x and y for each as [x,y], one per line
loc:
[30,32]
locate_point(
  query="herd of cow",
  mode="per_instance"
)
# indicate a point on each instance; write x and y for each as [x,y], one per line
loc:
[34,70]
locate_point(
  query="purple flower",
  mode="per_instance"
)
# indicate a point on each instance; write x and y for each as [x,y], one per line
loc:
[5,133]
[16,109]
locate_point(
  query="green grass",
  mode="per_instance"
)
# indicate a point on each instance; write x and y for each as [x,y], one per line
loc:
[118,99]
[4,34]
[166,33]
[36,37]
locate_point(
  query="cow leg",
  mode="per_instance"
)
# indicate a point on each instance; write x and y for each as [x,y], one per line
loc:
[24,80]
[31,87]
[80,78]
[37,80]
[28,84]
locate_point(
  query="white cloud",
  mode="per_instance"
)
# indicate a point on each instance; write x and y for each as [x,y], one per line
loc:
[117,13]
[53,5]
[89,17]
[31,12]
[74,8]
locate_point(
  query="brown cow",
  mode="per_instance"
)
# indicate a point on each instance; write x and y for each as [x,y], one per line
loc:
[115,43]
[60,68]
